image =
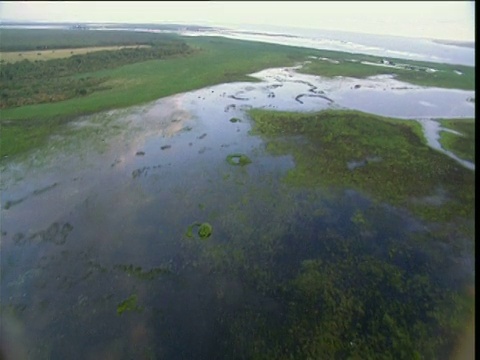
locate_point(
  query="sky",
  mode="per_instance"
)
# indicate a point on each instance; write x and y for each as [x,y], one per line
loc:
[449,20]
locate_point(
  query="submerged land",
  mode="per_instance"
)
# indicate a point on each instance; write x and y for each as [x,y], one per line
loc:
[194,227]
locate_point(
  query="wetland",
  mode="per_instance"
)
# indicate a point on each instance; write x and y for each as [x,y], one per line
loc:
[275,210]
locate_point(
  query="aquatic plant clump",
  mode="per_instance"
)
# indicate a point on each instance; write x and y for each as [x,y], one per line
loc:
[130,304]
[238,159]
[204,230]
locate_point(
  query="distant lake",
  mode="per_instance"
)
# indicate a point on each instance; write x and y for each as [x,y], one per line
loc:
[378,45]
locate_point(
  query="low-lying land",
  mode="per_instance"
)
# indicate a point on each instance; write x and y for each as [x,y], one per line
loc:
[38,97]
[382,157]
[341,280]
[387,160]
[414,72]
[462,145]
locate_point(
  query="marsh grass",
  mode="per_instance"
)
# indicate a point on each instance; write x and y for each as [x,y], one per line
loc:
[444,77]
[462,145]
[409,170]
[315,290]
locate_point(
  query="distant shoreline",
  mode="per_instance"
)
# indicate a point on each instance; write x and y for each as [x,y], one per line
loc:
[371,44]
[465,44]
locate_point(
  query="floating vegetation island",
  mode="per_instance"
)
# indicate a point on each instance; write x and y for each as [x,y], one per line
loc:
[204,230]
[238,159]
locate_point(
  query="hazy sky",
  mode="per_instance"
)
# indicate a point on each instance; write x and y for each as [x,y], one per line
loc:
[453,20]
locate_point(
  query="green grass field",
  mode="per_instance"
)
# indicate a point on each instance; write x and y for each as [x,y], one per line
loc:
[215,60]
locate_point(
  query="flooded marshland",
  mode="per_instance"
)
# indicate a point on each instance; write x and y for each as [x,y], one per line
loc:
[168,231]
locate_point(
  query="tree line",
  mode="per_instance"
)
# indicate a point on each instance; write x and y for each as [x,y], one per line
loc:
[31,82]
[42,39]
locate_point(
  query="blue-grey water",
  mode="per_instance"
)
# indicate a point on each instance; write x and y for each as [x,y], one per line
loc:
[372,44]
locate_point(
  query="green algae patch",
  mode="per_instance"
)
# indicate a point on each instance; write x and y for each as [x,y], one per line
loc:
[238,159]
[409,170]
[204,230]
[129,304]
[189,232]
[462,144]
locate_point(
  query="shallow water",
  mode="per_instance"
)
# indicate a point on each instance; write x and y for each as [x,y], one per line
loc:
[432,131]
[377,45]
[124,191]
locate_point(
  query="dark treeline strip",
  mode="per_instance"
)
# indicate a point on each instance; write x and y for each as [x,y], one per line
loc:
[92,61]
[26,82]
[55,89]
[28,39]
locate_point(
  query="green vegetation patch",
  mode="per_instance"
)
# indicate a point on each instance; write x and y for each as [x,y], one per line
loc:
[238,159]
[406,172]
[129,304]
[204,230]
[462,145]
[32,82]
[331,294]
[414,72]
[213,61]
[17,138]
[362,321]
